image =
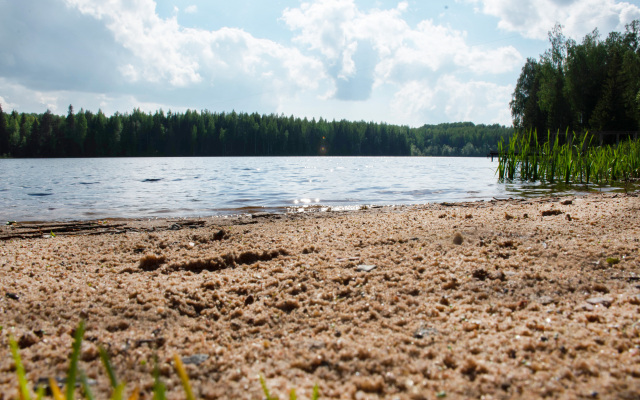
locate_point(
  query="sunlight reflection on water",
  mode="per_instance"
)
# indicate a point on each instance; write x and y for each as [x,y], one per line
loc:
[54,189]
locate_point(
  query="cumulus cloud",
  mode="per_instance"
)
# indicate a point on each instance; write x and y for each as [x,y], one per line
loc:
[192,9]
[165,52]
[20,97]
[457,100]
[394,52]
[535,18]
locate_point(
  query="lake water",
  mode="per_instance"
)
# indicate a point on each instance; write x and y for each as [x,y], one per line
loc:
[76,189]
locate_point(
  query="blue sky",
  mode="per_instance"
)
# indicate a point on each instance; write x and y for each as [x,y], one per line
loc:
[400,62]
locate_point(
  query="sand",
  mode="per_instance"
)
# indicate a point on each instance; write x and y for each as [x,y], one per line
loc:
[501,299]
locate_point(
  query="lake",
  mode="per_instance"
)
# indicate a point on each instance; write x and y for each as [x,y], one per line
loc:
[81,189]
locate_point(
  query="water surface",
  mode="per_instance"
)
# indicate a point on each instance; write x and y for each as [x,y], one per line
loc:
[63,189]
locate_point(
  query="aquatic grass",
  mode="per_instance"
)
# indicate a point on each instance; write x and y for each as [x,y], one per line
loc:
[75,373]
[576,161]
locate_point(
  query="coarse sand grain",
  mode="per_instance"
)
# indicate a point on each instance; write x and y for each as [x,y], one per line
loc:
[523,298]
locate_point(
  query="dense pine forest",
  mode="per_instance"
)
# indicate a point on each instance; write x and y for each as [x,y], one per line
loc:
[192,133]
[591,86]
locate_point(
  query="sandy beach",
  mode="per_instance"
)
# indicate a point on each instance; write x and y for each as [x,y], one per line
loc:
[525,298]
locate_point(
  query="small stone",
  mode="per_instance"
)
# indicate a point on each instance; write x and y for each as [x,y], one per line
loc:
[547,213]
[508,216]
[567,202]
[365,267]
[544,300]
[457,238]
[424,331]
[195,359]
[13,296]
[604,301]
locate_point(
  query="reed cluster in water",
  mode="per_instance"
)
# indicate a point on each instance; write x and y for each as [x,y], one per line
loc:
[576,161]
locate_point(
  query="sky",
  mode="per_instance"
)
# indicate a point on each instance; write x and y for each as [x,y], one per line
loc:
[400,62]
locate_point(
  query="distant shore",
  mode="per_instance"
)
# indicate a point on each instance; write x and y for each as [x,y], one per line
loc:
[521,298]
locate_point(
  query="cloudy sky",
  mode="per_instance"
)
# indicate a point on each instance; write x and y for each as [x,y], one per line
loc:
[402,62]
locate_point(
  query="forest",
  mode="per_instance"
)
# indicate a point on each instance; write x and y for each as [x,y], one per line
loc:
[588,87]
[205,133]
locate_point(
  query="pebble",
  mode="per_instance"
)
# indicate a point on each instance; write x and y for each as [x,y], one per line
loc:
[547,213]
[422,332]
[13,296]
[365,267]
[457,238]
[544,300]
[195,359]
[605,301]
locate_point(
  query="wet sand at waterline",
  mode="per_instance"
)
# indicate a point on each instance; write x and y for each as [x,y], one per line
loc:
[501,299]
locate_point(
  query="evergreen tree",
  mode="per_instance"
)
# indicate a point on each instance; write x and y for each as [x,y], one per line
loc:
[4,135]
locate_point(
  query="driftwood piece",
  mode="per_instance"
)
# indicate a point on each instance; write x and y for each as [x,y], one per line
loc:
[37,230]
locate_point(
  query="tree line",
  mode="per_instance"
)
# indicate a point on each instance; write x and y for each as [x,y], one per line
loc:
[591,86]
[205,133]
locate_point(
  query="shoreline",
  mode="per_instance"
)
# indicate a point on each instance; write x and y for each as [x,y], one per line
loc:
[505,298]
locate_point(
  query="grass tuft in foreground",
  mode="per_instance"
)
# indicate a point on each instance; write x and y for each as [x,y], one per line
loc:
[75,374]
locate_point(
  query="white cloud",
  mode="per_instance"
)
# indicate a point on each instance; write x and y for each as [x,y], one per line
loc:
[336,30]
[6,105]
[535,18]
[459,101]
[19,97]
[192,9]
[166,52]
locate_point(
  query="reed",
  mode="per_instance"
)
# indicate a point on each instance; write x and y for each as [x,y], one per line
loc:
[576,161]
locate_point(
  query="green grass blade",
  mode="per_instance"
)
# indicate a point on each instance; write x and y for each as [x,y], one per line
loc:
[22,379]
[85,386]
[107,366]
[73,365]
[265,389]
[40,392]
[159,388]
[292,395]
[316,392]
[118,392]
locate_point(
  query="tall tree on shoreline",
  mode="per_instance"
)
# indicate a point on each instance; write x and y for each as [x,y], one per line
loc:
[4,134]
[589,86]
